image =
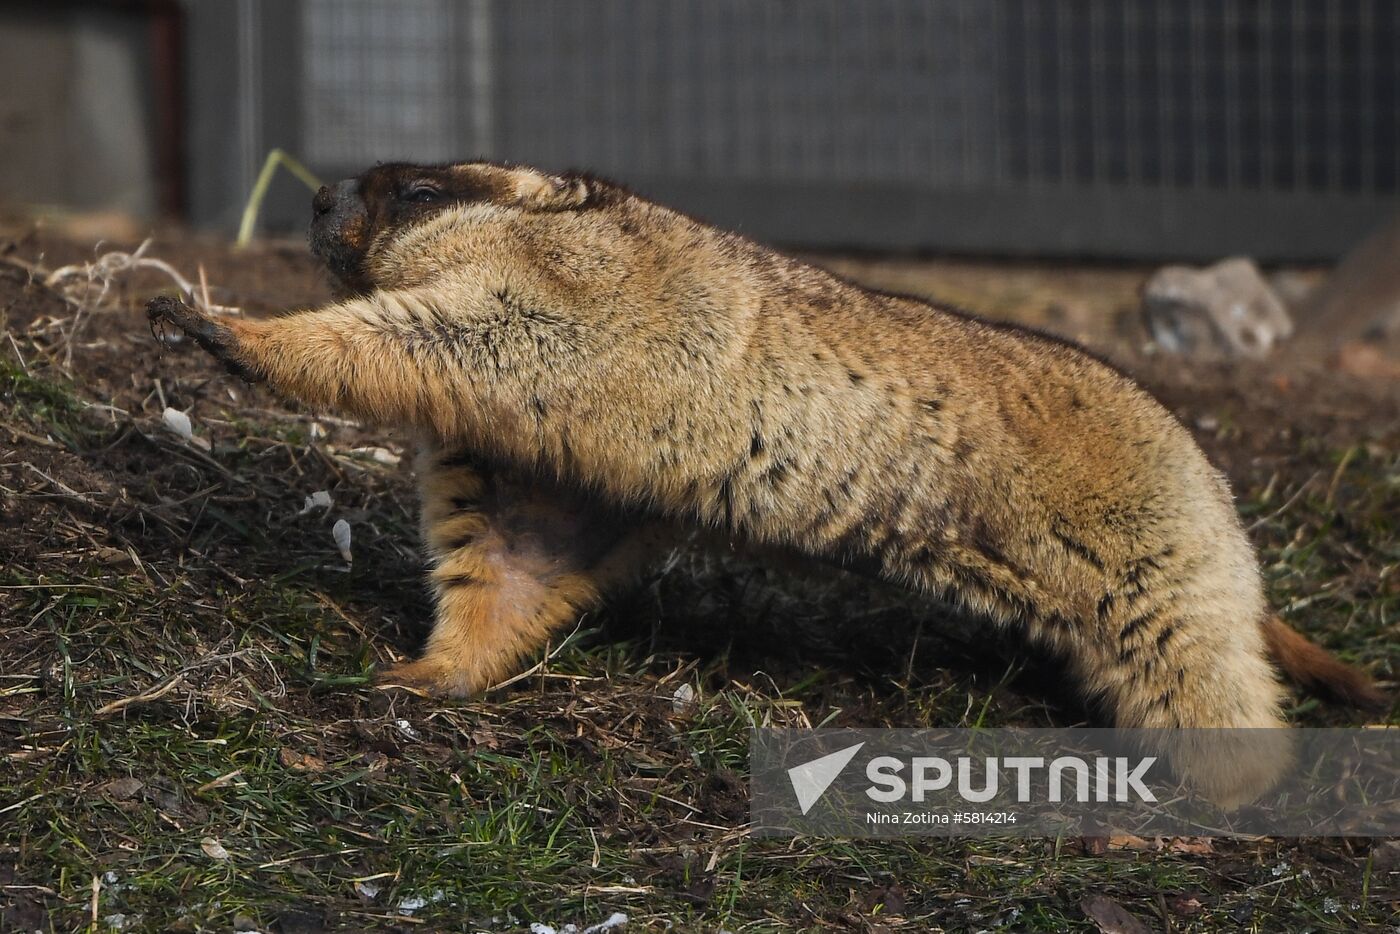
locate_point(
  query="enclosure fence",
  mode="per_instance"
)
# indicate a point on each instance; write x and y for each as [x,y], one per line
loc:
[1111,127]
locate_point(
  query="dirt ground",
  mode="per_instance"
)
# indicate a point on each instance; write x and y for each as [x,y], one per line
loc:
[189,739]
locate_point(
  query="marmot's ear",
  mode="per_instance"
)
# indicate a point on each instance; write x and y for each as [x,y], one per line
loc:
[541,192]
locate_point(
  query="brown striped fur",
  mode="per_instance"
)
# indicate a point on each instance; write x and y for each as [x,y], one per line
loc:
[630,367]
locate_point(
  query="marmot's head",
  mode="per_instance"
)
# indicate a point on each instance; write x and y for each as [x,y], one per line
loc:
[357,219]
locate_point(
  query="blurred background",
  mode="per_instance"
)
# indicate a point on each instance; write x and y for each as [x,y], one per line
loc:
[1086,128]
[1133,132]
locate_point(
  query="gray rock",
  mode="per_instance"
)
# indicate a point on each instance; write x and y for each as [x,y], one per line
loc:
[1219,312]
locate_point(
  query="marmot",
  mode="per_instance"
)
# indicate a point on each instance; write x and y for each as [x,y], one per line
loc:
[589,371]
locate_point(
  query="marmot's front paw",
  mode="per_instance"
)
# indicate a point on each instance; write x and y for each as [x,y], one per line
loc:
[217,339]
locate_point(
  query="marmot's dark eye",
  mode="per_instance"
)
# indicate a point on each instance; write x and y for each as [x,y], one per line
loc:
[422,194]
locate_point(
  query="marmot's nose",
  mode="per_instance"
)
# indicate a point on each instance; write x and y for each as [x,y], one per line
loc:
[322,202]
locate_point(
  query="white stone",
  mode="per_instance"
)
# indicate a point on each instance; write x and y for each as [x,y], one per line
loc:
[1223,311]
[340,532]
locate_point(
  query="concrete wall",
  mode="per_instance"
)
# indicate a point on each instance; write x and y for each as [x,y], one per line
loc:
[76,128]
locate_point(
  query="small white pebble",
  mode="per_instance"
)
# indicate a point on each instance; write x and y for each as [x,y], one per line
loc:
[367,890]
[318,500]
[213,848]
[411,904]
[615,920]
[683,701]
[178,422]
[341,533]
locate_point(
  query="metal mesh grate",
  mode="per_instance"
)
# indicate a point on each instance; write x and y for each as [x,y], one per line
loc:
[1091,125]
[377,81]
[1298,94]
[821,91]
[1286,95]
[1226,93]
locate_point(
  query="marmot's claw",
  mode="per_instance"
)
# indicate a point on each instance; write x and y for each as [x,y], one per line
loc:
[215,338]
[164,308]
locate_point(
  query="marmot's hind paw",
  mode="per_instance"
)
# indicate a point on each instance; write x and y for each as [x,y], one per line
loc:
[424,678]
[219,340]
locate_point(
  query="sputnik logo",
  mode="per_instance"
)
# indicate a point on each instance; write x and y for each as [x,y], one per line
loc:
[810,780]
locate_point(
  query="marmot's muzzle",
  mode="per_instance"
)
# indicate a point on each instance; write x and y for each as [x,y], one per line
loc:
[339,223]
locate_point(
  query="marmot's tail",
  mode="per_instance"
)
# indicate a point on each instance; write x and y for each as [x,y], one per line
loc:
[1314,668]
